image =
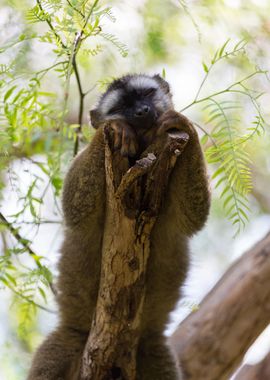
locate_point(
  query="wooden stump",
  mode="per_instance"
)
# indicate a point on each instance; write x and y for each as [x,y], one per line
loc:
[133,199]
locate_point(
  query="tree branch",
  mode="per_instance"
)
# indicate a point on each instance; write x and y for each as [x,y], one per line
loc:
[212,341]
[134,196]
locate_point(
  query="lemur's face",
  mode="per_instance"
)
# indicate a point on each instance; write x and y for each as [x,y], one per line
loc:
[137,99]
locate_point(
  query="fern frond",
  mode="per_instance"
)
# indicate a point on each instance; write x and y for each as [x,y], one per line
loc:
[233,173]
[93,52]
[52,6]
[4,69]
[103,83]
[223,53]
[105,12]
[122,48]
[26,312]
[109,14]
[35,14]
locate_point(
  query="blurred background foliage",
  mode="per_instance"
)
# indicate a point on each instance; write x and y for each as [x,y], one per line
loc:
[56,57]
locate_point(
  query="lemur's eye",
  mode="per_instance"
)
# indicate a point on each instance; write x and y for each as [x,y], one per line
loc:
[150,91]
[115,109]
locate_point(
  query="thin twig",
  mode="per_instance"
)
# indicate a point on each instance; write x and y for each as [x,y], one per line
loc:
[76,9]
[205,132]
[77,41]
[14,231]
[17,235]
[50,67]
[73,64]
[228,89]
[39,222]
[214,61]
[29,300]
[58,38]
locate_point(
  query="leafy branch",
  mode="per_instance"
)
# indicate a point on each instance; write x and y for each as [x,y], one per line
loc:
[25,243]
[76,9]
[73,63]
[47,18]
[228,89]
[34,124]
[227,150]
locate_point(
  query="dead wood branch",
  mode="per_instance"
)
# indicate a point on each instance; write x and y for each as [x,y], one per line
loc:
[212,341]
[134,196]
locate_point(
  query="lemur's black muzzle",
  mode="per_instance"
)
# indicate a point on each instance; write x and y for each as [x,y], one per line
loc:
[144,116]
[142,111]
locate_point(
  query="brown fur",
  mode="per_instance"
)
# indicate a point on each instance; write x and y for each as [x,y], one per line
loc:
[183,213]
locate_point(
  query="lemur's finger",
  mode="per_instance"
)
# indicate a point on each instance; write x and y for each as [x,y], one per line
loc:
[133,147]
[118,132]
[129,142]
[125,143]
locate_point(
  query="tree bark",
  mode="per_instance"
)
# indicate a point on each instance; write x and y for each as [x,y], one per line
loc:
[134,196]
[259,371]
[212,341]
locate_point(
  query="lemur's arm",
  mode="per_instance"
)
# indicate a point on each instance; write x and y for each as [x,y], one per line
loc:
[189,187]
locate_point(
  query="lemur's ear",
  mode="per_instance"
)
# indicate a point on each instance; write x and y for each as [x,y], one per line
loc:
[95,118]
[163,84]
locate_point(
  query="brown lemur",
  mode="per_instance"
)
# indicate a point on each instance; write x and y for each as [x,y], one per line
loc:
[140,108]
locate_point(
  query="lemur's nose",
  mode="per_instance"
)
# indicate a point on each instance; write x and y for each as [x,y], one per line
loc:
[142,111]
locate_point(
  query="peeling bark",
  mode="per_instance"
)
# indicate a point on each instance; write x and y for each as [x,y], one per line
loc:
[134,196]
[212,341]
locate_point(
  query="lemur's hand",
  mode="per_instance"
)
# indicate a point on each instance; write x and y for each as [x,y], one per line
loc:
[124,138]
[172,120]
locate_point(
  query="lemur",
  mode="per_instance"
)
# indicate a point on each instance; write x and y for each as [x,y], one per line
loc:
[139,108]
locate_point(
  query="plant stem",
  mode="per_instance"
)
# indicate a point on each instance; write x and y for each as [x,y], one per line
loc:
[82,94]
[24,243]
[73,64]
[18,237]
[76,9]
[52,27]
[238,83]
[29,300]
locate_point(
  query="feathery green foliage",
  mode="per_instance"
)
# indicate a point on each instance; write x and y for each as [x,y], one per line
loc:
[35,127]
[226,137]
[33,121]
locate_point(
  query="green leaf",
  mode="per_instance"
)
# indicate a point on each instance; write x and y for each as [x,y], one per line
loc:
[244,214]
[227,200]
[223,48]
[205,67]
[218,172]
[120,46]
[204,139]
[11,279]
[42,293]
[9,93]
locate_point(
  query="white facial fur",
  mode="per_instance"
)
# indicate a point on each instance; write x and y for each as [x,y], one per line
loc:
[110,100]
[142,82]
[162,102]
